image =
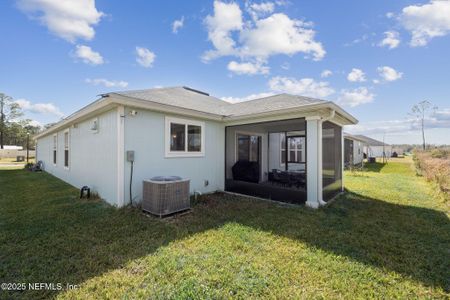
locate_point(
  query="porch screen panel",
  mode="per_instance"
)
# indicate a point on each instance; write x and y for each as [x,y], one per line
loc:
[331,159]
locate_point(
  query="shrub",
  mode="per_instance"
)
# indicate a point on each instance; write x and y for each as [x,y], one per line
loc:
[434,166]
[440,153]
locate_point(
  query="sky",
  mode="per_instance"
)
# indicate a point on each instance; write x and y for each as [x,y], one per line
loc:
[376,59]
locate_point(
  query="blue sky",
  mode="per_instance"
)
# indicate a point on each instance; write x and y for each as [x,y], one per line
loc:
[375,58]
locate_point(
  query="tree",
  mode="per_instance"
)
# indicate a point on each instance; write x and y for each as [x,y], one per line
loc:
[9,111]
[17,131]
[420,112]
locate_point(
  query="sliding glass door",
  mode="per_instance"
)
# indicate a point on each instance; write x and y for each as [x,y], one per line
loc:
[248,147]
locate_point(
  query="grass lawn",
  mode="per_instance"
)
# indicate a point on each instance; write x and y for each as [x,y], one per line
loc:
[387,237]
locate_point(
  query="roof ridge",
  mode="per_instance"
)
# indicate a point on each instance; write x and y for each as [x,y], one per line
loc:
[281,94]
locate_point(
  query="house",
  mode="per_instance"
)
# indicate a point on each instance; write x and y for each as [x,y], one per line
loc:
[353,150]
[375,148]
[282,147]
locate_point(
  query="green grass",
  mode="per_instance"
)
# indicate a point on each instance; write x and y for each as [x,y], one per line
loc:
[387,237]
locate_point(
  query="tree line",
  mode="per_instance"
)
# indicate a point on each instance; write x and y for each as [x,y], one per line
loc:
[13,129]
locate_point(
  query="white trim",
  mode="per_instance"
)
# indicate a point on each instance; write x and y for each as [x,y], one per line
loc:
[120,156]
[115,99]
[314,179]
[68,149]
[185,153]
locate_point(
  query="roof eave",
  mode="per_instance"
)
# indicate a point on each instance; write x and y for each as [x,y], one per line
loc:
[301,109]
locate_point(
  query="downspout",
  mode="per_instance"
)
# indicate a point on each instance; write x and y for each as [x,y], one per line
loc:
[324,119]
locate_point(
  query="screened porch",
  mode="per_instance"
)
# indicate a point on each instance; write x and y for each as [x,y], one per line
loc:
[269,160]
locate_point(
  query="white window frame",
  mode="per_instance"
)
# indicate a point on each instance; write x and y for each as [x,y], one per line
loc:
[184,153]
[68,148]
[296,149]
[55,148]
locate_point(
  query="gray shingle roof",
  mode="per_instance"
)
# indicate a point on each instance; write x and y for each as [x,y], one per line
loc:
[190,99]
[370,141]
[180,97]
[271,103]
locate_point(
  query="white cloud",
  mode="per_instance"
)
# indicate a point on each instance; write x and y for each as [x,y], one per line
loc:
[389,74]
[361,39]
[441,119]
[443,115]
[39,108]
[248,68]
[390,15]
[177,25]
[391,40]
[227,18]
[257,10]
[285,66]
[355,97]
[278,34]
[304,87]
[247,98]
[68,19]
[107,83]
[88,56]
[145,57]
[35,123]
[258,39]
[426,21]
[326,73]
[356,75]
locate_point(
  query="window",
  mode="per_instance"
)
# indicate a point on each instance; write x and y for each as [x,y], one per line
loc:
[194,138]
[66,148]
[177,137]
[55,147]
[295,151]
[248,147]
[184,137]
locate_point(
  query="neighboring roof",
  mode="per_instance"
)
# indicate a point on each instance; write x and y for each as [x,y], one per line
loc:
[185,100]
[370,141]
[353,137]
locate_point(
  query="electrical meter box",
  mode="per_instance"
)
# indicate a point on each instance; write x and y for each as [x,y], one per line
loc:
[130,155]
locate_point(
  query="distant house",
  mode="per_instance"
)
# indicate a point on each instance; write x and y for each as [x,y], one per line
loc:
[283,147]
[12,147]
[353,149]
[375,148]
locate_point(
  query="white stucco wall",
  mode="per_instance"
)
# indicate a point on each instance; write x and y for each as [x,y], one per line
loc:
[145,134]
[92,156]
